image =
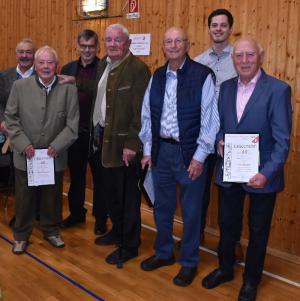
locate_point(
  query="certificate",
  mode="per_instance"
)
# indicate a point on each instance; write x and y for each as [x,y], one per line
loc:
[146,185]
[241,157]
[40,169]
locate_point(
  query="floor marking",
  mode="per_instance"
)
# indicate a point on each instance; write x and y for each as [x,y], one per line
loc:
[56,271]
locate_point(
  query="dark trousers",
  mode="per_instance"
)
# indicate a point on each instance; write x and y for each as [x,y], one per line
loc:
[119,191]
[167,172]
[211,163]
[50,206]
[77,163]
[231,203]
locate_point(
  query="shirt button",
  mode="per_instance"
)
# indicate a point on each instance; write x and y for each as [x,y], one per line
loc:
[43,134]
[106,141]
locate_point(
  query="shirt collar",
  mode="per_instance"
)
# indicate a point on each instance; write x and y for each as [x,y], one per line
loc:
[253,81]
[47,87]
[174,72]
[93,63]
[117,63]
[226,51]
[27,73]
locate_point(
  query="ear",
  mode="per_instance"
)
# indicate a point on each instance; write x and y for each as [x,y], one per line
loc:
[261,56]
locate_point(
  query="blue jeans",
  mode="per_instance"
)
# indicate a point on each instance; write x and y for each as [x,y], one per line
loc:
[168,171]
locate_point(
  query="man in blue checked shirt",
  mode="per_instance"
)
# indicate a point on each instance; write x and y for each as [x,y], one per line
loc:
[179,125]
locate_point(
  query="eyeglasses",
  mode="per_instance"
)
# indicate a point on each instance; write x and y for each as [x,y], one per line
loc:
[169,42]
[89,47]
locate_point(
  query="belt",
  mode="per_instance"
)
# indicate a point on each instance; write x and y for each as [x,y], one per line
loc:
[169,140]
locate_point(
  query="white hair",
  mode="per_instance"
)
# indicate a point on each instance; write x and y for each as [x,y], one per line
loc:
[46,48]
[119,26]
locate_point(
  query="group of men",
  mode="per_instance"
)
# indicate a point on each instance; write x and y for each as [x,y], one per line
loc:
[119,120]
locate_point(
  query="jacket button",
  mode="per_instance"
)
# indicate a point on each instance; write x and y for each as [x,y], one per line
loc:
[106,141]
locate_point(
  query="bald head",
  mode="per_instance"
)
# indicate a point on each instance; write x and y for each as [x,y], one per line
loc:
[247,58]
[175,46]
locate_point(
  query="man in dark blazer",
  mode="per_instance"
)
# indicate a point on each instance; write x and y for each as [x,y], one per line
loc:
[24,55]
[84,70]
[253,102]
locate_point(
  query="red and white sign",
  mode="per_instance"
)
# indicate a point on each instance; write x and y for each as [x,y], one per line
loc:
[133,6]
[133,9]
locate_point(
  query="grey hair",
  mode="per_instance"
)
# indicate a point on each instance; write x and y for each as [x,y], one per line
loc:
[119,26]
[25,40]
[46,48]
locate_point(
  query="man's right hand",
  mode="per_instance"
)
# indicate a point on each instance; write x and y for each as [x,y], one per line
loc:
[146,161]
[220,148]
[29,151]
[64,79]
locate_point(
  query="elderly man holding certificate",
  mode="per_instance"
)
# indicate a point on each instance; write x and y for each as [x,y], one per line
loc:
[256,108]
[42,122]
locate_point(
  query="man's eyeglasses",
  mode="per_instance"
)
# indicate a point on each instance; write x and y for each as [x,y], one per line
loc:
[89,47]
[169,42]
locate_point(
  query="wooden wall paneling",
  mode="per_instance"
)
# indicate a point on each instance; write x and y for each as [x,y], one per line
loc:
[274,22]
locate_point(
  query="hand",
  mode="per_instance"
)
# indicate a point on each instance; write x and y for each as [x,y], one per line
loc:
[52,152]
[63,79]
[3,128]
[220,148]
[28,151]
[146,161]
[257,181]
[195,169]
[128,155]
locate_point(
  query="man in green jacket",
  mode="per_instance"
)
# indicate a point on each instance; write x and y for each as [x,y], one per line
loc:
[121,82]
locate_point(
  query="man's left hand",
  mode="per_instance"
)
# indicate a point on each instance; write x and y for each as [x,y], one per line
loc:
[195,169]
[52,152]
[257,181]
[128,155]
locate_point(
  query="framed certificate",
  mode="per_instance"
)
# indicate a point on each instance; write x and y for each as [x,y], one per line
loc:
[241,157]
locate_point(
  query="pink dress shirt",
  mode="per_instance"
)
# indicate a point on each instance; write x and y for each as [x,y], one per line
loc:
[244,93]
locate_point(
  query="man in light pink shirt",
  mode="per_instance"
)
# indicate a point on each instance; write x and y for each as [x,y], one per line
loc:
[253,102]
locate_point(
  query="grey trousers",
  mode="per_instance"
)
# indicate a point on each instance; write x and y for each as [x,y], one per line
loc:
[50,206]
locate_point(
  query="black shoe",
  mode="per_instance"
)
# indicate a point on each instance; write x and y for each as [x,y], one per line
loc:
[126,254]
[107,239]
[216,278]
[153,263]
[185,276]
[100,230]
[72,220]
[247,292]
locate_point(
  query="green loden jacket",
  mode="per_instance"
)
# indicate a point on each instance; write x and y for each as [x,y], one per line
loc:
[125,90]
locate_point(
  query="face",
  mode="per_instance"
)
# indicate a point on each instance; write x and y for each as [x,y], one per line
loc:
[24,54]
[175,44]
[247,59]
[219,29]
[45,66]
[116,44]
[87,49]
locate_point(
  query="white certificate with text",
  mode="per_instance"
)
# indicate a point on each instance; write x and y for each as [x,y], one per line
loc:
[40,169]
[241,157]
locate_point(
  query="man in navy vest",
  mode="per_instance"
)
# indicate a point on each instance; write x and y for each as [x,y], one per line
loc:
[179,125]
